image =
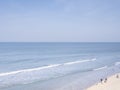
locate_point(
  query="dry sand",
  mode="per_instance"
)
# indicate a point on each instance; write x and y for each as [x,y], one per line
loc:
[113,83]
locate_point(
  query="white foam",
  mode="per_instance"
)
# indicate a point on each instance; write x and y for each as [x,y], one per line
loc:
[29,70]
[44,67]
[94,59]
[117,63]
[75,62]
[100,68]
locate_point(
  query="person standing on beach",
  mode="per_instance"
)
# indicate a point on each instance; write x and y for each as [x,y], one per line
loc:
[105,80]
[101,80]
[117,76]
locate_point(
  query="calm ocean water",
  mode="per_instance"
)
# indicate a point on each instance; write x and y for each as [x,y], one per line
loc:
[26,63]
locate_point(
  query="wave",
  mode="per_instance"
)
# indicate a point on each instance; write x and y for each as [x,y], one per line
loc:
[39,73]
[29,70]
[100,68]
[117,63]
[44,67]
[94,59]
[75,62]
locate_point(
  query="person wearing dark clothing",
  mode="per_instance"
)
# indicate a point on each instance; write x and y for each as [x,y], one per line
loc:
[101,80]
[105,80]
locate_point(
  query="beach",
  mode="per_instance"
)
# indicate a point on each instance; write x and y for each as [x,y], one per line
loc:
[112,83]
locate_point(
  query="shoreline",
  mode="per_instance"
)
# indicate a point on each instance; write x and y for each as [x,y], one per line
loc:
[108,83]
[75,81]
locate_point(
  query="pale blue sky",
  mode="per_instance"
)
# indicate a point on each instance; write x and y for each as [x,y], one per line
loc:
[59,20]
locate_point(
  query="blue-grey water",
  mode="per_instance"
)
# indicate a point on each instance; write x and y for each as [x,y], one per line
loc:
[24,66]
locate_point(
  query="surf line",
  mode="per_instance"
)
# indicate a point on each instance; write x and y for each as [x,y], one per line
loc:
[75,62]
[44,67]
[117,63]
[29,70]
[100,68]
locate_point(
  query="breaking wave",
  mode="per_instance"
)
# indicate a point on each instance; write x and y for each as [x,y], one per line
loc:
[45,67]
[100,68]
[40,73]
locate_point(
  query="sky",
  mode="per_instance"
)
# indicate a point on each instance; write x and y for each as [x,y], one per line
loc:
[59,20]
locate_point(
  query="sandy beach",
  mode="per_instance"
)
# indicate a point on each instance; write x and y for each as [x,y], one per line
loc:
[112,83]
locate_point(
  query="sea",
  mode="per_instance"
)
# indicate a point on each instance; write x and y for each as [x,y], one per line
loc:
[56,65]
